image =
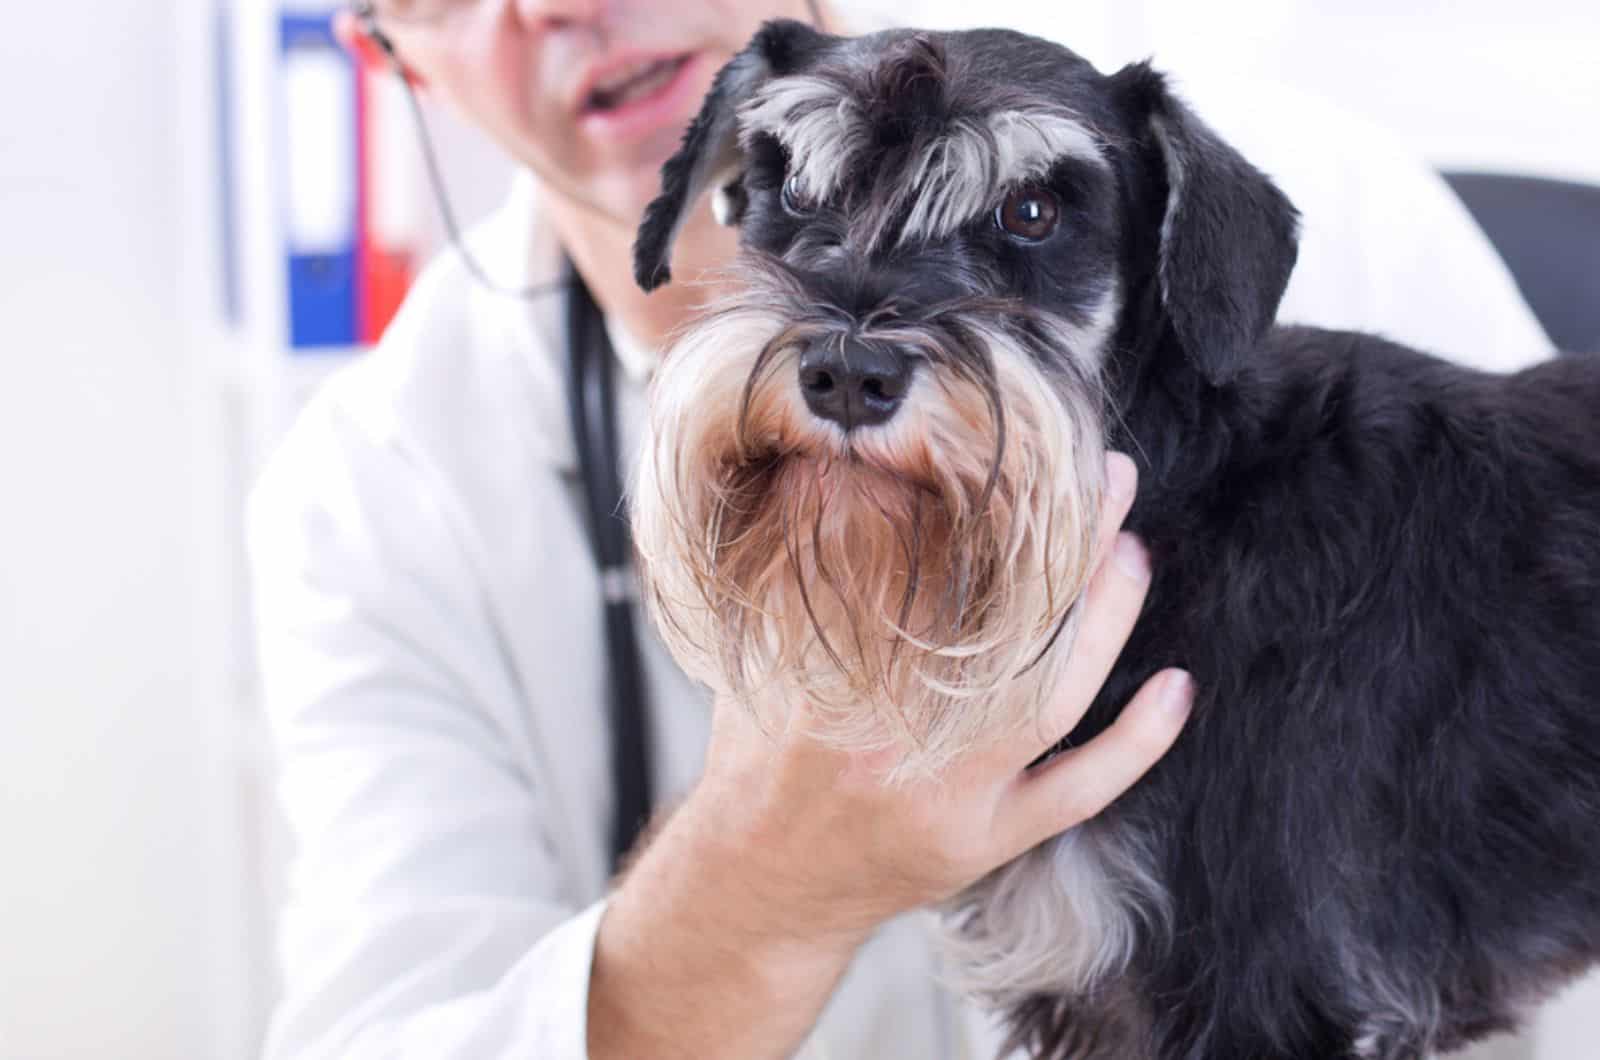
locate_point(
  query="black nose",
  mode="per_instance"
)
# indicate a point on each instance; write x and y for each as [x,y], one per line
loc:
[853,384]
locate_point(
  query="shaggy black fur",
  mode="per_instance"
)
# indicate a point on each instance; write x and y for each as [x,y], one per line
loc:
[1384,573]
[1381,828]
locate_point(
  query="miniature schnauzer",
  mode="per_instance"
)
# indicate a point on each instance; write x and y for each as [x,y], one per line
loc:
[970,264]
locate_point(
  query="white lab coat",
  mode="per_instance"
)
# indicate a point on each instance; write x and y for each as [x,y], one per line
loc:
[430,632]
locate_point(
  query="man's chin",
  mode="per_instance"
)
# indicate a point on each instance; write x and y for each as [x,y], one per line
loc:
[625,187]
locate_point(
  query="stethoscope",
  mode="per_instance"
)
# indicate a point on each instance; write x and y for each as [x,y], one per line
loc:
[591,411]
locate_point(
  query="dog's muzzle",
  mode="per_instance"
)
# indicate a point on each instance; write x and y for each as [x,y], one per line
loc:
[885,521]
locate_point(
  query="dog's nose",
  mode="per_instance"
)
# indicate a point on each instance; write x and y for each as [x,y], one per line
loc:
[854,384]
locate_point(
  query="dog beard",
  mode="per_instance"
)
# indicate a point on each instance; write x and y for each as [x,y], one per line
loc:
[913,583]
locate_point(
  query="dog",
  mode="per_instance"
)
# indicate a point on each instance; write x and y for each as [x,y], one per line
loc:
[970,264]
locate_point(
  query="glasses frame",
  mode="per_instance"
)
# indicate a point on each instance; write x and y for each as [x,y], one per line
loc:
[367,11]
[440,11]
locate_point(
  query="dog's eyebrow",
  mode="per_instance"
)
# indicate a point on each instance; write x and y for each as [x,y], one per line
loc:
[962,172]
[955,175]
[816,120]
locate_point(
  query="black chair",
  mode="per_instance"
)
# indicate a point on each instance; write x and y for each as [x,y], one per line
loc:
[1548,232]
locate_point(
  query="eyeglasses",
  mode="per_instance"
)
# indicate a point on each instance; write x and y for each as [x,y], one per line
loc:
[426,11]
[411,11]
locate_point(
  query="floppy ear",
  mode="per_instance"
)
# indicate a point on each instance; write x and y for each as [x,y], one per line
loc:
[710,156]
[1229,237]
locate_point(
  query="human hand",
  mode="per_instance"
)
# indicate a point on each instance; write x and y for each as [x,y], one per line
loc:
[790,850]
[821,834]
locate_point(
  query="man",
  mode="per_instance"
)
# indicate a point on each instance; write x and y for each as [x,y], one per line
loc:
[430,627]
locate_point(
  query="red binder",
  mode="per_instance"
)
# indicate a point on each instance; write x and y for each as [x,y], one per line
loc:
[386,248]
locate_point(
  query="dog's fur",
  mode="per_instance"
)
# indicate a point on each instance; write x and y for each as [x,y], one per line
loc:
[1379,835]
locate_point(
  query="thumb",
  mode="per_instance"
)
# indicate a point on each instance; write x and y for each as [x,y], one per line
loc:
[1079,783]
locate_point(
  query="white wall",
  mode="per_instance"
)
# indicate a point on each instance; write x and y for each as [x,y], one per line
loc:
[103,777]
[1472,83]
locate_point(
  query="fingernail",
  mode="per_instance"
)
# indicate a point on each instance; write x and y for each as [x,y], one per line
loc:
[1133,559]
[1177,696]
[1122,475]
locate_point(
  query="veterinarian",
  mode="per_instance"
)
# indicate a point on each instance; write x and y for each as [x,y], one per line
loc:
[430,613]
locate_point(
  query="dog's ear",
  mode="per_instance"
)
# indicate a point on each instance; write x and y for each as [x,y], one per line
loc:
[710,156]
[1229,237]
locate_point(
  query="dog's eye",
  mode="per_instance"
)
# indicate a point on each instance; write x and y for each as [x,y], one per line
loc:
[794,199]
[1029,214]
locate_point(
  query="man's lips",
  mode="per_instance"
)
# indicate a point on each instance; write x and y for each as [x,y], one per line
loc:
[626,79]
[634,97]
[635,82]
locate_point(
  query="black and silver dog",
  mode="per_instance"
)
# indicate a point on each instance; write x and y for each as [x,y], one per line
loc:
[970,264]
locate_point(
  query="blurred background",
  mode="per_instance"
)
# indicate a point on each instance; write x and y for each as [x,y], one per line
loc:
[203,209]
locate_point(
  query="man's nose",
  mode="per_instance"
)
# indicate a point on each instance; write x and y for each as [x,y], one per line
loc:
[853,384]
[558,12]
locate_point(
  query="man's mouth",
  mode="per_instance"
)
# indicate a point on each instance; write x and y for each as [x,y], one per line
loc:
[633,83]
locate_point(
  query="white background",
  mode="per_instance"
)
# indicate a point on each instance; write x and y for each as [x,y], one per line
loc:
[131,919]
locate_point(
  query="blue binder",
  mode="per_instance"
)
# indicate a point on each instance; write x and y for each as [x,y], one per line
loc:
[320,183]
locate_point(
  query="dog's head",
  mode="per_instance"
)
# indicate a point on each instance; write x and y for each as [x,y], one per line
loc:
[873,475]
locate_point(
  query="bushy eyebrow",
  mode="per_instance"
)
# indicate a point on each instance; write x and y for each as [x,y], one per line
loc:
[953,175]
[960,174]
